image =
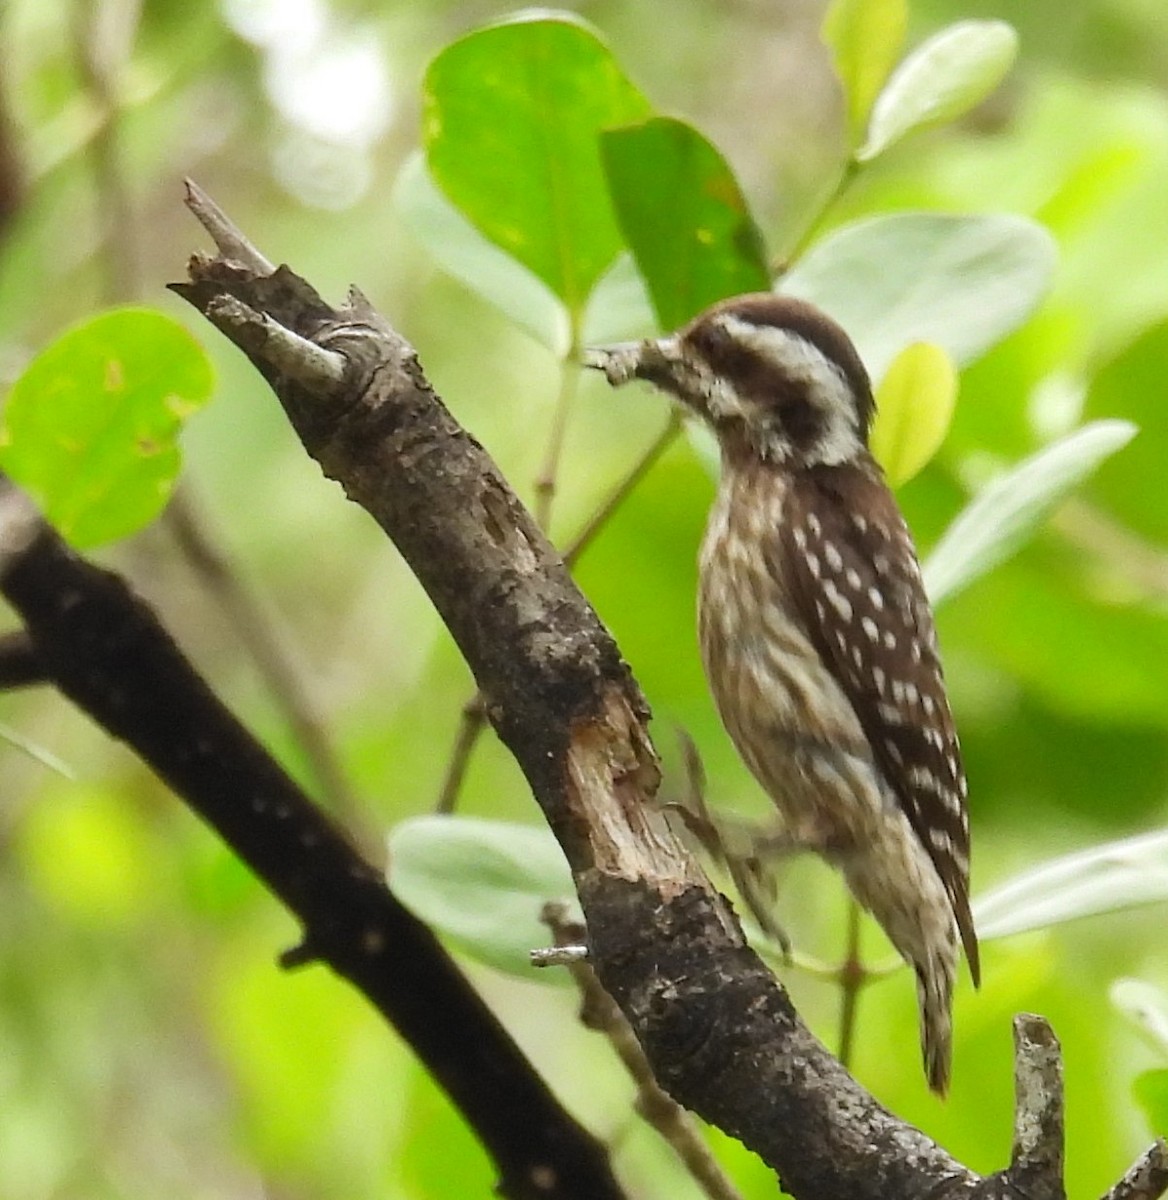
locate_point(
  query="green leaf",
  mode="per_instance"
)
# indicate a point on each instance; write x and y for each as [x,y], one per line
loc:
[961,282]
[914,408]
[1146,1006]
[683,216]
[483,884]
[1150,1089]
[865,37]
[1105,879]
[460,249]
[944,77]
[1010,508]
[90,428]
[511,120]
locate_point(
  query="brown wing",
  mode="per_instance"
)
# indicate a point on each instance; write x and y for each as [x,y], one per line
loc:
[853,570]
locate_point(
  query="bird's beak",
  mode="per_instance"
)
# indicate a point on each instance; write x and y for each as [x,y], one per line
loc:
[623,361]
[618,361]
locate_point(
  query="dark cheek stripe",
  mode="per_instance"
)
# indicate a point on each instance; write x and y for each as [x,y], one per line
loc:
[761,383]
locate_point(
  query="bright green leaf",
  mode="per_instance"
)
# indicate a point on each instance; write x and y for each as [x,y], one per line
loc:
[1104,879]
[1010,508]
[864,37]
[683,216]
[914,408]
[961,282]
[460,249]
[482,883]
[512,118]
[90,428]
[1146,1006]
[952,72]
[1151,1092]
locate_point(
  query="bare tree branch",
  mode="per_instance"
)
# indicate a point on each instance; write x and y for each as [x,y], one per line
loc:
[720,1033]
[1147,1178]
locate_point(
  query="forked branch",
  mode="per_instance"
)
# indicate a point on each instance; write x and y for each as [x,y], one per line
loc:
[717,1028]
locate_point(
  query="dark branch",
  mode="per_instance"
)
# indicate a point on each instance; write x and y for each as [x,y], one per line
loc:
[106,650]
[20,664]
[1147,1178]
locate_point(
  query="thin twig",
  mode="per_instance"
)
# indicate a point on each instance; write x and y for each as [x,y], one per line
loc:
[546,481]
[314,367]
[1124,551]
[847,176]
[852,977]
[625,488]
[226,235]
[470,725]
[598,1011]
[104,34]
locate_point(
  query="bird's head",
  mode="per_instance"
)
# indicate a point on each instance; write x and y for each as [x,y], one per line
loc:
[771,375]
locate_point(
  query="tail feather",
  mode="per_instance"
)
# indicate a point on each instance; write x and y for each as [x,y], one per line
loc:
[935,995]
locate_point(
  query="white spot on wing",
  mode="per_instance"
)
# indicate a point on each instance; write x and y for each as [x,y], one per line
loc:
[838,601]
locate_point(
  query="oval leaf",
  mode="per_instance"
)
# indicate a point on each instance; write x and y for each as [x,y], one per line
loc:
[1104,879]
[683,216]
[961,282]
[1146,1006]
[914,408]
[90,428]
[511,120]
[1010,508]
[483,884]
[458,248]
[946,76]
[865,37]
[1150,1089]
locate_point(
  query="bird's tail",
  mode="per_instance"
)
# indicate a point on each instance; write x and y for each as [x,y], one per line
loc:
[935,995]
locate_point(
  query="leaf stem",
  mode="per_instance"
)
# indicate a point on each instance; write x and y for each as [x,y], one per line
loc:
[852,977]
[803,242]
[625,488]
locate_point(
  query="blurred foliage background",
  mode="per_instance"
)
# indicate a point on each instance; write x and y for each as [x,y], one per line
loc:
[148,1041]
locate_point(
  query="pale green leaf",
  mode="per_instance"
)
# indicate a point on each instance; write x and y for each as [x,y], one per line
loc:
[483,884]
[864,37]
[961,282]
[946,76]
[914,408]
[1105,879]
[1010,508]
[1146,1006]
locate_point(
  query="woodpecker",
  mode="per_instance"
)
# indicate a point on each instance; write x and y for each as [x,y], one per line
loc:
[816,634]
